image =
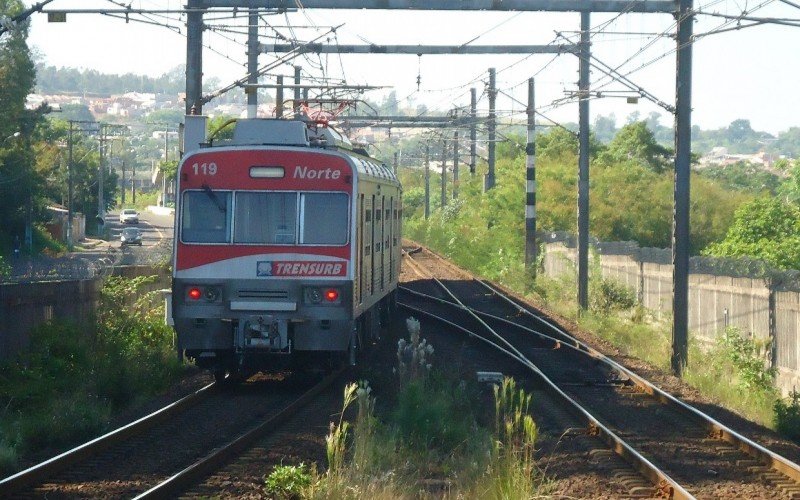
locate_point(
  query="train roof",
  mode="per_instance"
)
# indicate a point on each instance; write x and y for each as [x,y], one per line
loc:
[298,133]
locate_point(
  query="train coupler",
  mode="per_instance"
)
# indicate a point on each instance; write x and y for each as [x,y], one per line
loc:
[265,333]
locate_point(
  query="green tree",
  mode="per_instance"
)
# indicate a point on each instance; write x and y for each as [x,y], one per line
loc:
[636,142]
[766,229]
[18,184]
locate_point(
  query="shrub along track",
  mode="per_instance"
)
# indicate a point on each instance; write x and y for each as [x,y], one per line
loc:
[131,462]
[706,458]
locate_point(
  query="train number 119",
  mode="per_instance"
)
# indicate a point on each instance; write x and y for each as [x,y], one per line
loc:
[205,168]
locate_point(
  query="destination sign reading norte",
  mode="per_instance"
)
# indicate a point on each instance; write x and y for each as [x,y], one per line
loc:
[307,268]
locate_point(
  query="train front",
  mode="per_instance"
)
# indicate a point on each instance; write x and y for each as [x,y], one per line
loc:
[262,269]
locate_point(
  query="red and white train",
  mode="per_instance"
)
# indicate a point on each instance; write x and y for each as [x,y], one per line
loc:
[287,249]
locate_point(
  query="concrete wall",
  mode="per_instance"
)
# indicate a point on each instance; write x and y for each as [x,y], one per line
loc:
[24,306]
[715,302]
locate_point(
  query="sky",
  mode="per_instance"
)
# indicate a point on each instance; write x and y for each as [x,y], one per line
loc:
[750,73]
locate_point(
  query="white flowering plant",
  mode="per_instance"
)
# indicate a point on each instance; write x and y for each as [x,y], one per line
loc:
[414,356]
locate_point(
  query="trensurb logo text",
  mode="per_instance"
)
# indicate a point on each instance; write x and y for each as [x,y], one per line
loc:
[306,268]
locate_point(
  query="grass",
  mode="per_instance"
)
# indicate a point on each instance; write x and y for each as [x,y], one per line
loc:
[66,388]
[430,444]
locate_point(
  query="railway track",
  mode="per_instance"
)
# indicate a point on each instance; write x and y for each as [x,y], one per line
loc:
[681,451]
[168,451]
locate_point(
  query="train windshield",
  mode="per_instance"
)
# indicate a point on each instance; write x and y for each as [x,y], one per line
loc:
[206,216]
[324,219]
[267,218]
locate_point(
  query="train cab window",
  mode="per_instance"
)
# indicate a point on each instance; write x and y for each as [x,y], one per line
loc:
[266,218]
[205,216]
[323,218]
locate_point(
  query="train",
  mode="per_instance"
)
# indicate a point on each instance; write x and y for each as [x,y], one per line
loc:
[287,248]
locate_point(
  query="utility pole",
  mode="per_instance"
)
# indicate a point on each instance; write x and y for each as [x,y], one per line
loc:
[455,165]
[133,182]
[583,165]
[163,175]
[443,201]
[680,227]
[427,180]
[123,182]
[492,125]
[101,205]
[279,97]
[473,130]
[252,63]
[69,188]
[530,185]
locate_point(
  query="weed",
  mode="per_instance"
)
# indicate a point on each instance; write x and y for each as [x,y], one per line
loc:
[288,481]
[787,416]
[749,358]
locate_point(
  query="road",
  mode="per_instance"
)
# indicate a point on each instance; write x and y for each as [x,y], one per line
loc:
[157,234]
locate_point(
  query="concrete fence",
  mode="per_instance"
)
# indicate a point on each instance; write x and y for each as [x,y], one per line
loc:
[766,308]
[23,306]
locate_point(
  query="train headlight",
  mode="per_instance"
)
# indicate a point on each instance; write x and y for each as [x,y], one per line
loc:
[212,294]
[313,295]
[194,293]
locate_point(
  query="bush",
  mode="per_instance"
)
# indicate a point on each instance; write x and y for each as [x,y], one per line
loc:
[610,295]
[65,388]
[288,481]
[787,416]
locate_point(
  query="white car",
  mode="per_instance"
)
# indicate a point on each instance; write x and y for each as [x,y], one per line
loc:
[129,216]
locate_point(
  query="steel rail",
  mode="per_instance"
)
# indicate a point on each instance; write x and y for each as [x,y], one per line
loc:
[714,427]
[659,478]
[191,474]
[40,472]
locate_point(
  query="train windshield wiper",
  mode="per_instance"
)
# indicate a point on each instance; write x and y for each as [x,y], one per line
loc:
[211,194]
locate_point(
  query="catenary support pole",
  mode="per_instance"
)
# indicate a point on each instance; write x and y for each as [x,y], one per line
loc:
[279,97]
[443,199]
[396,161]
[101,205]
[473,130]
[455,164]
[492,126]
[296,102]
[680,227]
[194,58]
[252,63]
[530,184]
[583,166]
[427,180]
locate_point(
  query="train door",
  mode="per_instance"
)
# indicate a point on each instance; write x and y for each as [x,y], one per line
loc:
[383,241]
[368,253]
[360,243]
[374,249]
[390,239]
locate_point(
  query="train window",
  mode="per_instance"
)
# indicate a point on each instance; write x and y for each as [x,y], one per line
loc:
[206,216]
[266,218]
[323,218]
